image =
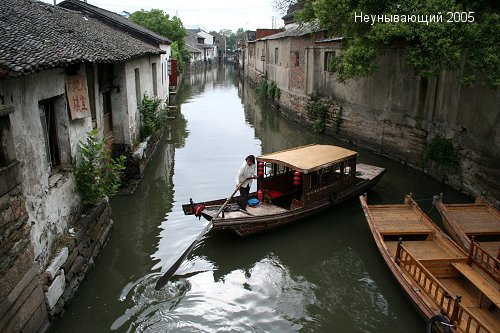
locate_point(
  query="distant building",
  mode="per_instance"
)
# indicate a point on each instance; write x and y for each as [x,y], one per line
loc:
[205,42]
[220,42]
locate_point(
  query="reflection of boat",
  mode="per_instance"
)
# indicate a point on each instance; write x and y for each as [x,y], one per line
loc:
[478,220]
[294,183]
[438,276]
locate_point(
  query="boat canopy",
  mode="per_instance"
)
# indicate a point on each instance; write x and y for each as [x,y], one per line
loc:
[309,158]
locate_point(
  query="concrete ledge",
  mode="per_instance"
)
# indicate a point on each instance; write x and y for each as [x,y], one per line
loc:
[138,154]
[55,291]
[57,263]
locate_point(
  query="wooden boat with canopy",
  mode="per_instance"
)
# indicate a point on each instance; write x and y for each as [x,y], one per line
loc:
[439,277]
[293,183]
[478,221]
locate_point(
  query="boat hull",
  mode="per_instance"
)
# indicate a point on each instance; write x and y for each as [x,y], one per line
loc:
[251,225]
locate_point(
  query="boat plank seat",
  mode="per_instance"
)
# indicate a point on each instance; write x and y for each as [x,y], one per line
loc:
[485,288]
[475,220]
[397,219]
[424,250]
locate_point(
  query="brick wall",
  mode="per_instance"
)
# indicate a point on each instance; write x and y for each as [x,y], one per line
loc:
[22,305]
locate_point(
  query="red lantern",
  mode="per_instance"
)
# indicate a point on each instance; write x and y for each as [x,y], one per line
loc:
[296,178]
[260,170]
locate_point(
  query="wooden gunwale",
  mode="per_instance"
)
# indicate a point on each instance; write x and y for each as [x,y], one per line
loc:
[409,287]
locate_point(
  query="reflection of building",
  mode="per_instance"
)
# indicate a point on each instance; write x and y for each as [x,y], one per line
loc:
[63,73]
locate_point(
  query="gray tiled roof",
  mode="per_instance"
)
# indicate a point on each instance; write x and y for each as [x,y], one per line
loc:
[36,36]
[296,31]
[115,20]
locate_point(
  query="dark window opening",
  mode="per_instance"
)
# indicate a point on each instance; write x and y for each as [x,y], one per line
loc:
[329,61]
[4,141]
[276,56]
[107,115]
[155,78]
[315,179]
[297,58]
[162,74]
[49,127]
[3,154]
[138,94]
[89,71]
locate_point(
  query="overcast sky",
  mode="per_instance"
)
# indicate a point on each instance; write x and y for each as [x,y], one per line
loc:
[208,15]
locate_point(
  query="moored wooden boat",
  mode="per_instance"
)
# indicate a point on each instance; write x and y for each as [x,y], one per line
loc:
[435,273]
[464,221]
[294,183]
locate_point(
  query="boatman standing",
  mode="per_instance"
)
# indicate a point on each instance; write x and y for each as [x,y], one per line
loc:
[247,170]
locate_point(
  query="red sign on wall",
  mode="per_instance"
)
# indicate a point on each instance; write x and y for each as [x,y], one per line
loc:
[78,96]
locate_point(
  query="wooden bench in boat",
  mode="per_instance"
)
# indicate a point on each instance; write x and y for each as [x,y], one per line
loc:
[475,220]
[426,250]
[480,282]
[398,219]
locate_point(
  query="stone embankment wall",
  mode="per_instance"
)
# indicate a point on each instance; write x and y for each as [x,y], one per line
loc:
[22,305]
[397,114]
[138,160]
[75,256]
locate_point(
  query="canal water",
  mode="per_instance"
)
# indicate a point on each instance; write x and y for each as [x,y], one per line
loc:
[324,274]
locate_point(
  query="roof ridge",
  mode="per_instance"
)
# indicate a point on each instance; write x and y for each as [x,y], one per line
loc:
[116,19]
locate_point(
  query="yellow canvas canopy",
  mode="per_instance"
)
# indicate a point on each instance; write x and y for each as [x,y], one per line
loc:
[309,158]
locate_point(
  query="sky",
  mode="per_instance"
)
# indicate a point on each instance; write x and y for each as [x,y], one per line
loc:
[207,15]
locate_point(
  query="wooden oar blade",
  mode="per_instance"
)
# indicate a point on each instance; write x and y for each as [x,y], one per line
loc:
[171,271]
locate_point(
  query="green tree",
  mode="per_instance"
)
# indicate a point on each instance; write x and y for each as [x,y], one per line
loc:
[471,47]
[161,23]
[232,37]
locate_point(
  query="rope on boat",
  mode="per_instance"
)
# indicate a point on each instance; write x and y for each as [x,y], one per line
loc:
[439,319]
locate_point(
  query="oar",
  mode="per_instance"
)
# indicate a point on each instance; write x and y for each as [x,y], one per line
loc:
[171,271]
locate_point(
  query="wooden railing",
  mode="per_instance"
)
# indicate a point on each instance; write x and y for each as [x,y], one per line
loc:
[483,259]
[467,322]
[460,317]
[426,281]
